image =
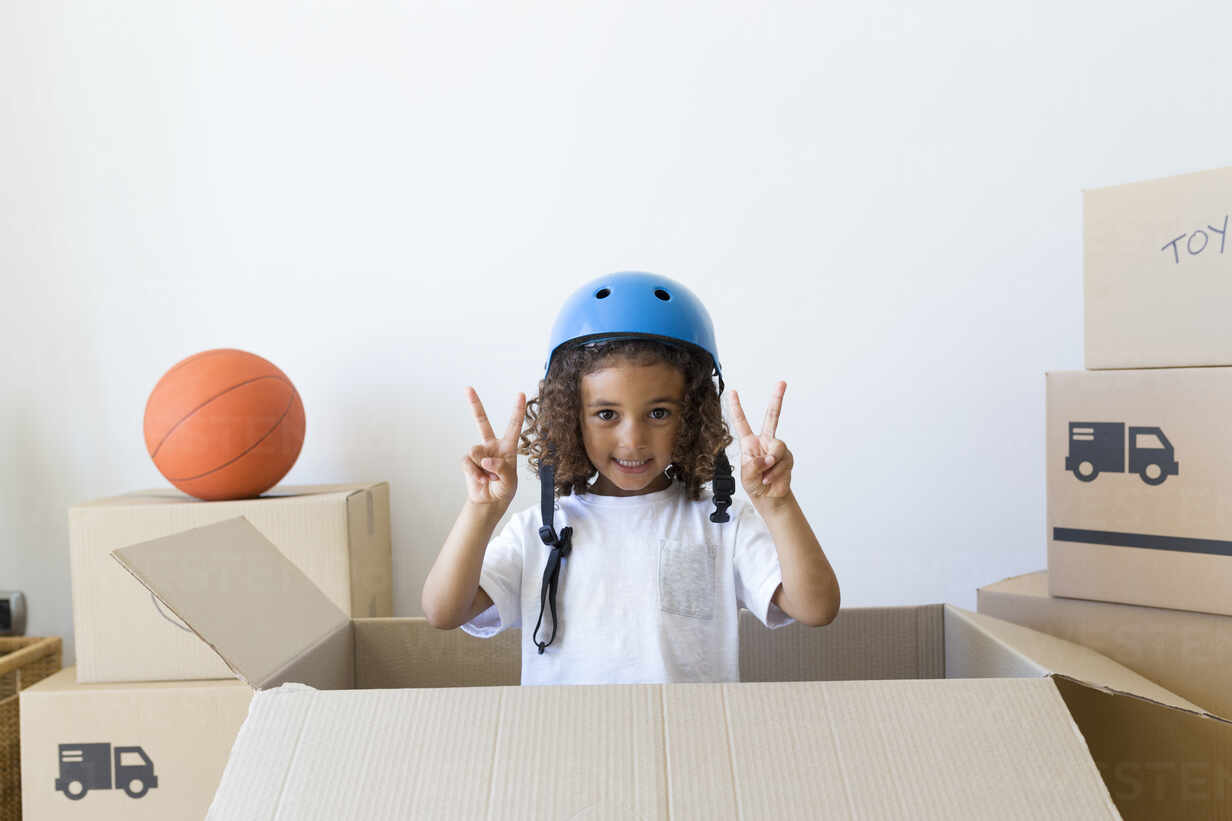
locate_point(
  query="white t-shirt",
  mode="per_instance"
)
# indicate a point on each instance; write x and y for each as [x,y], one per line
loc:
[649,594]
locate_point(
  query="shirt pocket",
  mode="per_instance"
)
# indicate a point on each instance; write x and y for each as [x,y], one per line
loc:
[687,578]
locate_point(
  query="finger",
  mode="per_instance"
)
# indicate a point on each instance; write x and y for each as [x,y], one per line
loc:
[480,457]
[773,451]
[495,467]
[751,449]
[742,424]
[775,474]
[481,418]
[473,471]
[515,423]
[771,422]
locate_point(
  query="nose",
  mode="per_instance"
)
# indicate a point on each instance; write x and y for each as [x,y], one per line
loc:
[633,438]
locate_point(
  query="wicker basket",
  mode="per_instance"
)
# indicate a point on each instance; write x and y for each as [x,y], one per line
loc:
[23,661]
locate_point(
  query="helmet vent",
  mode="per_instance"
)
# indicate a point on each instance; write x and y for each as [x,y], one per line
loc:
[662,294]
[603,293]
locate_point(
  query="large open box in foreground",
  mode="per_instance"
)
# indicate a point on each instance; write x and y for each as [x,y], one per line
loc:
[364,717]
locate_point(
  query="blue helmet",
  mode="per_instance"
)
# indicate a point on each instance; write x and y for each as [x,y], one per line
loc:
[633,305]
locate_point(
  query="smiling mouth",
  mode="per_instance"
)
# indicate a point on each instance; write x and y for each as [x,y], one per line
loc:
[632,467]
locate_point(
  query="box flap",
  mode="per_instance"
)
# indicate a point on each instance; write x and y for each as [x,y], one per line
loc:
[1046,654]
[861,643]
[926,749]
[258,611]
[409,652]
[1186,652]
[1158,762]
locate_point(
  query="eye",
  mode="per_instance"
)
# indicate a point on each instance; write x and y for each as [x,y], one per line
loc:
[666,413]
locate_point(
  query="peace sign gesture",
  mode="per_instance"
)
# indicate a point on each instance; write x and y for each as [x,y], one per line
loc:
[491,467]
[765,462]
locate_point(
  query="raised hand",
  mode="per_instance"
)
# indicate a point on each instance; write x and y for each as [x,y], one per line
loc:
[491,467]
[765,462]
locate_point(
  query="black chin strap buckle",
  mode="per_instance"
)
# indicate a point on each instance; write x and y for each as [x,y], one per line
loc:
[549,537]
[723,487]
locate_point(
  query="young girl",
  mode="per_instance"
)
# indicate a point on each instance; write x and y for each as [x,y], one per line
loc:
[626,573]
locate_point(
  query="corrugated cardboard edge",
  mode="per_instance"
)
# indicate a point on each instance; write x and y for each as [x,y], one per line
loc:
[274,758]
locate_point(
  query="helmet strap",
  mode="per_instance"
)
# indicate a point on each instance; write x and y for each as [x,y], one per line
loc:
[561,547]
[723,485]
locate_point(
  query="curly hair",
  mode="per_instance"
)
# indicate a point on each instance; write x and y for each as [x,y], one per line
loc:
[554,414]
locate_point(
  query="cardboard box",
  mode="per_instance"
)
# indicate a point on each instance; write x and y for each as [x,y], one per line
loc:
[336,534]
[359,718]
[1139,487]
[1188,653]
[126,751]
[1157,258]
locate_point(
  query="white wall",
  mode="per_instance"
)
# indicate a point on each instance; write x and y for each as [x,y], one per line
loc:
[390,200]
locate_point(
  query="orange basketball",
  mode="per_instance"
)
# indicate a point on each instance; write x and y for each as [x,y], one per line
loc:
[224,424]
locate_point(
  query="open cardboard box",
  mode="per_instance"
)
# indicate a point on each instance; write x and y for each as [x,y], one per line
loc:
[365,718]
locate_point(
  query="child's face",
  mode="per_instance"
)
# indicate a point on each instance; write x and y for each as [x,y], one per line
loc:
[631,412]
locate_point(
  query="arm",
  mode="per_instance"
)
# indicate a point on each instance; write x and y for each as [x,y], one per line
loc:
[451,593]
[809,592]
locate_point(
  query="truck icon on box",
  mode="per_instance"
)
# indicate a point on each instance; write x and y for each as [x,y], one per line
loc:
[1099,447]
[85,767]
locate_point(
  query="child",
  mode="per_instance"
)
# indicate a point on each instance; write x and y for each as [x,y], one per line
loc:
[644,580]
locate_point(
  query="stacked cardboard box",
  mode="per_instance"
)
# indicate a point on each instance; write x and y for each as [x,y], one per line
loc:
[1139,463]
[141,727]
[1139,452]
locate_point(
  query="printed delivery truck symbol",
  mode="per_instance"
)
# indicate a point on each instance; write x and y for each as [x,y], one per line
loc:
[85,767]
[1099,447]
